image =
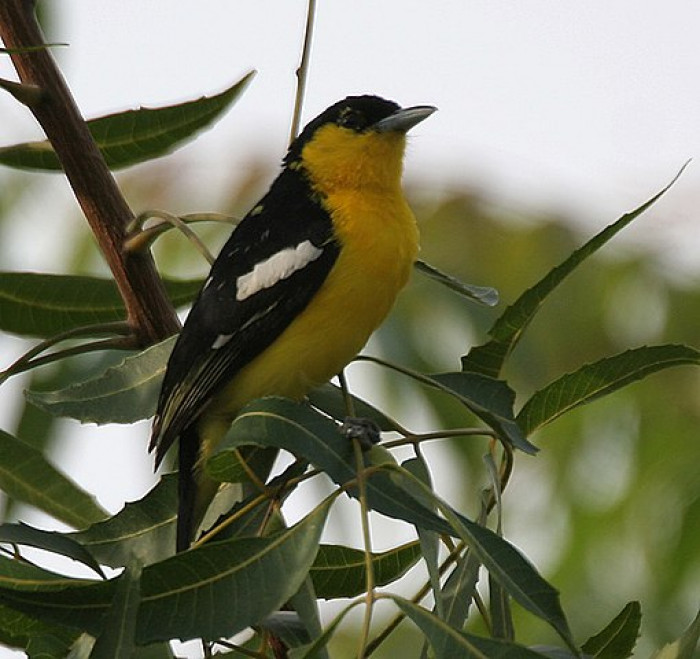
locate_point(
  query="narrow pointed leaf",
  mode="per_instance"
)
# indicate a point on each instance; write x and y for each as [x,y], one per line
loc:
[26,475]
[134,136]
[598,379]
[459,589]
[124,393]
[144,529]
[305,605]
[448,642]
[42,305]
[489,399]
[429,540]
[340,571]
[56,543]
[516,575]
[618,639]
[509,567]
[501,614]
[482,294]
[116,640]
[221,588]
[507,330]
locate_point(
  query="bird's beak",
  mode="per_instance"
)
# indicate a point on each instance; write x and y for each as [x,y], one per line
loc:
[404,119]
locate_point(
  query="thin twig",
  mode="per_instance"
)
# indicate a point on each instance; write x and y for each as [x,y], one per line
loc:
[367,543]
[136,243]
[141,239]
[417,438]
[30,360]
[303,70]
[347,398]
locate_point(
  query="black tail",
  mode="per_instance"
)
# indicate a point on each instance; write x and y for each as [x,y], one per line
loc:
[187,487]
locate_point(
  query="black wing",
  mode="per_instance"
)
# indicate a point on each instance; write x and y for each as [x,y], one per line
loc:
[222,333]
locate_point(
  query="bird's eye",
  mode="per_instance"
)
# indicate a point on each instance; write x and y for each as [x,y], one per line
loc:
[351,119]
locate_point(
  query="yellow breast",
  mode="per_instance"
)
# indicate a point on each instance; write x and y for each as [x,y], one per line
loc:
[358,180]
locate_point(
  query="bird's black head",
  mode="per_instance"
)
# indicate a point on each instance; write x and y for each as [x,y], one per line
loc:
[356,113]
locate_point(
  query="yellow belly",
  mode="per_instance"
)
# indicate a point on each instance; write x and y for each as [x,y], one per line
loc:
[379,243]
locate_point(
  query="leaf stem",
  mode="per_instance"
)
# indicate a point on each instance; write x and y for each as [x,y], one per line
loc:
[30,360]
[417,438]
[139,240]
[367,543]
[347,398]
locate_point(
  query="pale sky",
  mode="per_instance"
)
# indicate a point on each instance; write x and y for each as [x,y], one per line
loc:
[588,108]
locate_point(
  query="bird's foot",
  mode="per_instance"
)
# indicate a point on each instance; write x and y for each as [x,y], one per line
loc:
[365,431]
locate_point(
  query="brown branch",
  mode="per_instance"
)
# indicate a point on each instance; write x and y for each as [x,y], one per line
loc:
[149,312]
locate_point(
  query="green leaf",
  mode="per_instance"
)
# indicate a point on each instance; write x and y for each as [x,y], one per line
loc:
[685,647]
[134,136]
[459,589]
[318,647]
[297,428]
[501,614]
[116,640]
[489,399]
[40,305]
[144,529]
[499,601]
[26,475]
[211,591]
[507,330]
[329,399]
[618,639]
[54,598]
[56,543]
[56,646]
[154,651]
[515,574]
[448,642]
[305,606]
[288,627]
[340,571]
[599,379]
[280,423]
[124,393]
[221,588]
[39,638]
[482,294]
[429,540]
[508,566]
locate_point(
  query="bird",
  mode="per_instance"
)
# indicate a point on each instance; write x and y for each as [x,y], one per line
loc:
[296,291]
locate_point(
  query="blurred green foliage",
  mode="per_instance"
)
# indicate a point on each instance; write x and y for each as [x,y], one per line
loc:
[609,509]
